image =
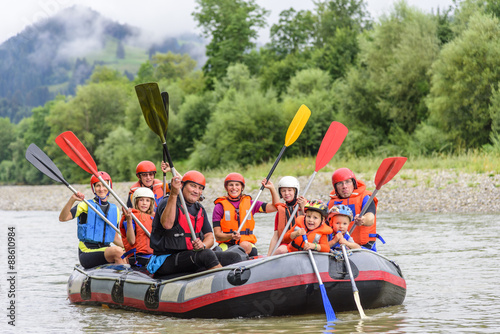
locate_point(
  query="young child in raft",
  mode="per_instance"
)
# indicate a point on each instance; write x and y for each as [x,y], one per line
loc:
[135,240]
[313,226]
[340,217]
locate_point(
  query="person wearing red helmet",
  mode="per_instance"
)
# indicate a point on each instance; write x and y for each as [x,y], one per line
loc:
[94,233]
[174,251]
[145,172]
[349,191]
[230,210]
[340,217]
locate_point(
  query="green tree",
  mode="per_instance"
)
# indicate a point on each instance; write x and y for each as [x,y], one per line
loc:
[464,75]
[172,66]
[231,26]
[6,137]
[244,126]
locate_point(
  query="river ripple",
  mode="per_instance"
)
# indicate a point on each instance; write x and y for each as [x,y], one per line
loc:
[450,263]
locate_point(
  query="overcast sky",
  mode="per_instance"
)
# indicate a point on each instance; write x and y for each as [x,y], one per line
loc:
[161,17]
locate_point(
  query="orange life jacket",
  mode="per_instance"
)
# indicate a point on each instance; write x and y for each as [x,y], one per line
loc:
[141,239]
[157,189]
[284,213]
[231,219]
[355,203]
[319,235]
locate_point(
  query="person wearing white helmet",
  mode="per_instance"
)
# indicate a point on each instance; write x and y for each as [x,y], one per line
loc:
[288,189]
[135,240]
[340,216]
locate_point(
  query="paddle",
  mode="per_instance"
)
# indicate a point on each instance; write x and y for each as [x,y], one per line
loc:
[294,130]
[157,119]
[44,164]
[74,149]
[166,104]
[330,313]
[353,283]
[330,144]
[387,170]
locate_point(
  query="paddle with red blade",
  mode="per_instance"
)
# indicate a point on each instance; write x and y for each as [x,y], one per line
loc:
[74,149]
[156,117]
[44,164]
[294,130]
[387,170]
[330,144]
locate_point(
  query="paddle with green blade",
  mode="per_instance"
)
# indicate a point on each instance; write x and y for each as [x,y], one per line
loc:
[44,164]
[387,170]
[330,144]
[157,119]
[166,104]
[77,152]
[294,130]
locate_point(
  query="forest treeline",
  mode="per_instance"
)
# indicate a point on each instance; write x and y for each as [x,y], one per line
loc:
[409,83]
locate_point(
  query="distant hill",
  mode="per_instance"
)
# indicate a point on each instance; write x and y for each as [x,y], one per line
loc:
[56,55]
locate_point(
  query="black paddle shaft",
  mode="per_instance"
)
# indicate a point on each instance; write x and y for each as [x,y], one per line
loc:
[274,166]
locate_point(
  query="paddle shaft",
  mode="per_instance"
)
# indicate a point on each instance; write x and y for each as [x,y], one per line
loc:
[293,214]
[249,212]
[96,211]
[164,176]
[353,283]
[122,204]
[181,195]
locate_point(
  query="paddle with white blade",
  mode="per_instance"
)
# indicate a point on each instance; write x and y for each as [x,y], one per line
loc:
[44,164]
[74,149]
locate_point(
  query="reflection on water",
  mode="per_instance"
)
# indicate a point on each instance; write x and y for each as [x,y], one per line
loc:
[451,279]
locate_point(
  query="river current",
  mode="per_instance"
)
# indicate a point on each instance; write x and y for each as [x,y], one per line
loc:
[450,263]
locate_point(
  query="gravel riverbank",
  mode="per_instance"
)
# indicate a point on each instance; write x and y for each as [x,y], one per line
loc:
[409,191]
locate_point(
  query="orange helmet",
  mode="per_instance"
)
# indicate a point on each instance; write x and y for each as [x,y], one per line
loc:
[105,176]
[195,177]
[145,167]
[234,177]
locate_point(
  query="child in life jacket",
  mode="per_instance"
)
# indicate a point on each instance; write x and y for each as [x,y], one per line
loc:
[340,217]
[288,190]
[135,239]
[313,226]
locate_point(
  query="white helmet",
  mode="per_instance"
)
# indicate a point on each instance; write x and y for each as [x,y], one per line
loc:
[289,182]
[142,192]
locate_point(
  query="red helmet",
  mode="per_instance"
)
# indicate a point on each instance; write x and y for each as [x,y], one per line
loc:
[234,177]
[195,177]
[145,167]
[343,174]
[105,176]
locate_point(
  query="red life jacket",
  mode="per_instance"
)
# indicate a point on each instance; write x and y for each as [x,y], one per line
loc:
[178,238]
[157,189]
[284,213]
[141,238]
[231,220]
[355,203]
[319,235]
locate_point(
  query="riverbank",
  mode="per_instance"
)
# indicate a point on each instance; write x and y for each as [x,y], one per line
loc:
[409,191]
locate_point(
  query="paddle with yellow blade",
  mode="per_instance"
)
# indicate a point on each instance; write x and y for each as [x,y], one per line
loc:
[156,117]
[294,130]
[44,164]
[74,149]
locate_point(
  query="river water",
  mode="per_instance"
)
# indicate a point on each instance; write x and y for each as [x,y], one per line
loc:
[450,262]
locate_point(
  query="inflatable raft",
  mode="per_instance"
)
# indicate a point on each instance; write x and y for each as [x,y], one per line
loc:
[269,286]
